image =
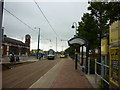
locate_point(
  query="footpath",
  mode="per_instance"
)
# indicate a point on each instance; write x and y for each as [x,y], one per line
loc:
[6,64]
[63,75]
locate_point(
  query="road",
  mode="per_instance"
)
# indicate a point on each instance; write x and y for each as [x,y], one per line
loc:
[25,75]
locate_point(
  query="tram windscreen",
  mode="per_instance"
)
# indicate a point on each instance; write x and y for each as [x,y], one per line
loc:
[51,52]
[62,53]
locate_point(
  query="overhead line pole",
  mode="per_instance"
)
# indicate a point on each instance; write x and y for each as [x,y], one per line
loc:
[38,43]
[56,44]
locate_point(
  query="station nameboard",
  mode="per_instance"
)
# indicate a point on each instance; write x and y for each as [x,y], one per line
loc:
[115,65]
[104,46]
[115,32]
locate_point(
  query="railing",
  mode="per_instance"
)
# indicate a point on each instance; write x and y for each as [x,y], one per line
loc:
[104,69]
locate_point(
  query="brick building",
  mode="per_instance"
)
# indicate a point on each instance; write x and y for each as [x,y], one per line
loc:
[16,46]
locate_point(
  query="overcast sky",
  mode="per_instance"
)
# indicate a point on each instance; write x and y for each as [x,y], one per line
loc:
[61,15]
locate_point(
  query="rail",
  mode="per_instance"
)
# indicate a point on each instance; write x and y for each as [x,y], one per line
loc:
[104,69]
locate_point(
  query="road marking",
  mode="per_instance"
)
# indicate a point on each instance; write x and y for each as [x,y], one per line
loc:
[44,75]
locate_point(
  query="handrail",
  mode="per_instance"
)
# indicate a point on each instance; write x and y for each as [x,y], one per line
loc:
[102,64]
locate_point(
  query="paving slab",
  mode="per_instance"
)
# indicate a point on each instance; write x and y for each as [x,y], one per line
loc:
[63,75]
[47,79]
[68,77]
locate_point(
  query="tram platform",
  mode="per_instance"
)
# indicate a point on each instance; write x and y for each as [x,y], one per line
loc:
[63,75]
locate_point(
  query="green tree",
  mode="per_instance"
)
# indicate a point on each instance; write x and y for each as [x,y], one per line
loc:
[112,11]
[70,51]
[88,30]
[98,10]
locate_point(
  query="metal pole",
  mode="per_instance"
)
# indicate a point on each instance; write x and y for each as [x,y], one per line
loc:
[82,57]
[95,71]
[38,43]
[1,18]
[87,55]
[56,44]
[75,28]
[88,65]
[76,58]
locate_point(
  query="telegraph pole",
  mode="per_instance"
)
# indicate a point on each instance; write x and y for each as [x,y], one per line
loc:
[38,42]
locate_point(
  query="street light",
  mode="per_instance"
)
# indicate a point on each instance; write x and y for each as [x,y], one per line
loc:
[76,49]
[74,23]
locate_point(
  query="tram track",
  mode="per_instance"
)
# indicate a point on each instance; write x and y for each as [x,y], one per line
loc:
[23,76]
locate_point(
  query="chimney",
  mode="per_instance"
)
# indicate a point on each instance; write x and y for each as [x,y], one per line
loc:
[27,43]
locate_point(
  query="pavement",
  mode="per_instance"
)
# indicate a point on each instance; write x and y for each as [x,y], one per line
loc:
[91,78]
[6,60]
[63,75]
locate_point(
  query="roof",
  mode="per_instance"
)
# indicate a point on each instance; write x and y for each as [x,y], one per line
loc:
[78,40]
[50,50]
[13,41]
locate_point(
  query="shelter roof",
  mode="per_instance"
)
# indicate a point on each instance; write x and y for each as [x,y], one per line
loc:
[78,40]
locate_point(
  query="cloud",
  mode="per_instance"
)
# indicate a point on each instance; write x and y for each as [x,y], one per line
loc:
[60,15]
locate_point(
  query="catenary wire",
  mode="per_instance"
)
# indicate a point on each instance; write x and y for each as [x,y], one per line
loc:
[22,21]
[46,19]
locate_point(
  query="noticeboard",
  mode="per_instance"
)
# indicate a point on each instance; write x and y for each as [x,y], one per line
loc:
[115,32]
[115,66]
[104,46]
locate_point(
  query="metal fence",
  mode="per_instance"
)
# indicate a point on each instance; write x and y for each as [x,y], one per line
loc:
[102,71]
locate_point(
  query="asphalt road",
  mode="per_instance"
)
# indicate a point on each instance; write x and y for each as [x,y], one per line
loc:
[25,75]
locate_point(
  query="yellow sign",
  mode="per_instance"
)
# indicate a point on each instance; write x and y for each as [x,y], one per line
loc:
[115,32]
[77,53]
[115,65]
[35,51]
[104,46]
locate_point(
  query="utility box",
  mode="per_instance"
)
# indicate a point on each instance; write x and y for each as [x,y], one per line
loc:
[114,72]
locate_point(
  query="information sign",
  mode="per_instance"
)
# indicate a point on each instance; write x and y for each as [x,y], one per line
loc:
[104,46]
[115,65]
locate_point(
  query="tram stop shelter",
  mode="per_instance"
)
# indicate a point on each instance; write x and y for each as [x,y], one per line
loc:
[78,42]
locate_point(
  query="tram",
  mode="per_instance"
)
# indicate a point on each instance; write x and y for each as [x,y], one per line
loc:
[51,54]
[62,54]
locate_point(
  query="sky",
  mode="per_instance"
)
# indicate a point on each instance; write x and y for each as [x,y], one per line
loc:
[60,16]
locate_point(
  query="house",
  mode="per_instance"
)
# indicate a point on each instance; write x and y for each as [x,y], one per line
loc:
[15,46]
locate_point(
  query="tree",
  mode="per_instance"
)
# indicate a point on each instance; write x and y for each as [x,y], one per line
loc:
[88,30]
[98,10]
[70,51]
[112,11]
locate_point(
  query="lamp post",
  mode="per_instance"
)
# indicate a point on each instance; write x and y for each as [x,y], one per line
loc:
[76,49]
[62,47]
[1,18]
[74,23]
[38,42]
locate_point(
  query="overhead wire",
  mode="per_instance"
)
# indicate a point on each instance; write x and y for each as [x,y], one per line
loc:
[46,19]
[21,21]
